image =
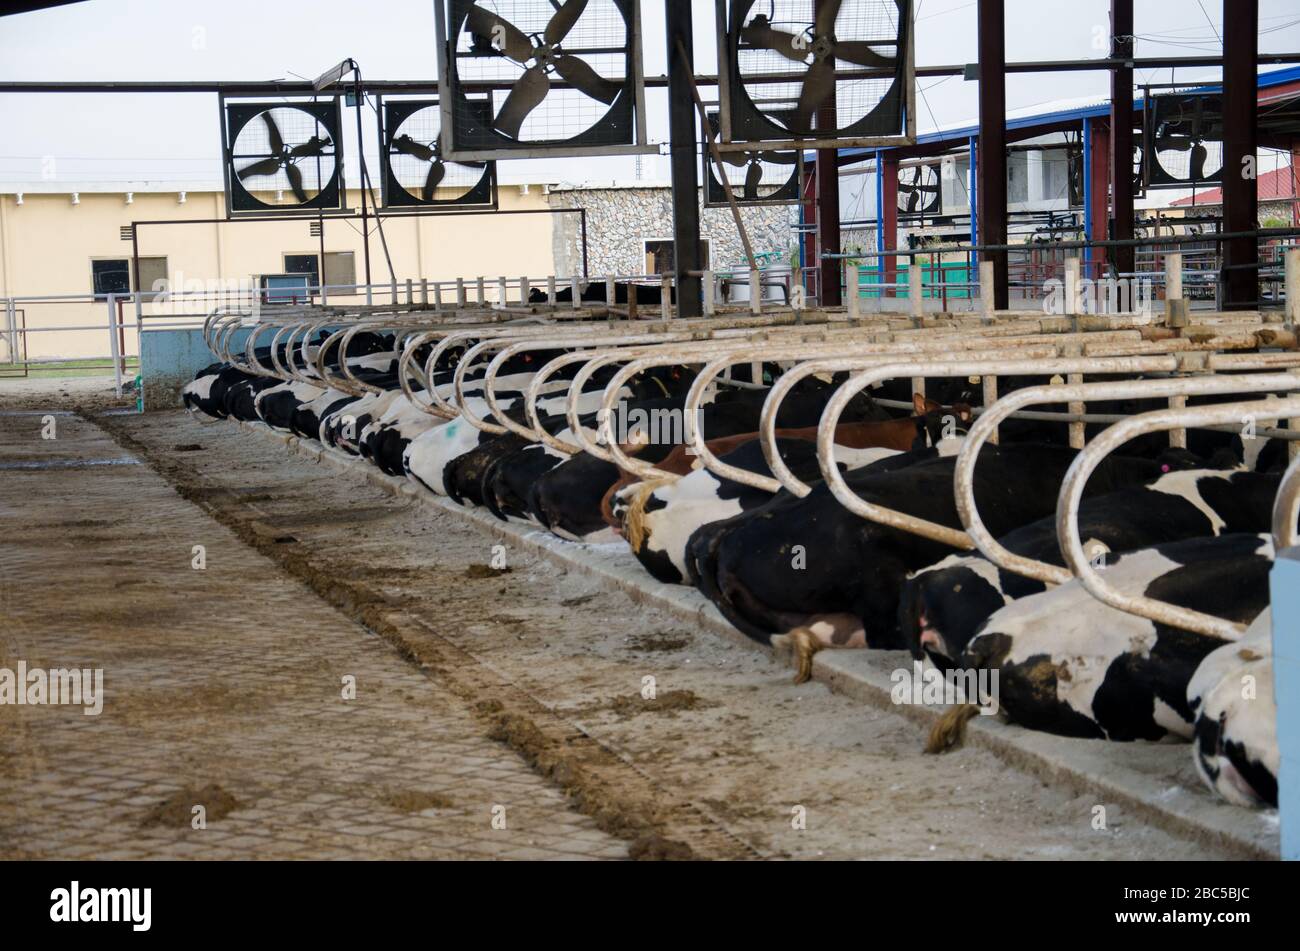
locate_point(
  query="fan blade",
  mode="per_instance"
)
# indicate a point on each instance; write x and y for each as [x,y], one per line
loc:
[528,92]
[752,178]
[277,143]
[860,53]
[408,146]
[1196,163]
[1174,144]
[824,24]
[295,182]
[312,147]
[436,171]
[779,158]
[265,167]
[790,45]
[586,80]
[818,86]
[562,21]
[499,33]
[738,159]
[912,199]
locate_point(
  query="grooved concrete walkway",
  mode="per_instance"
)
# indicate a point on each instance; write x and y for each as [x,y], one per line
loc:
[223,687]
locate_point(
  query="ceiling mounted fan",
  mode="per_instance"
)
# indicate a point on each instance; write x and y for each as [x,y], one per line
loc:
[282,156]
[834,70]
[285,157]
[919,190]
[547,56]
[415,171]
[559,75]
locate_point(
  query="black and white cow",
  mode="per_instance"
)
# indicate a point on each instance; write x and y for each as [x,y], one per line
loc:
[1068,664]
[659,519]
[944,604]
[567,499]
[1231,695]
[809,564]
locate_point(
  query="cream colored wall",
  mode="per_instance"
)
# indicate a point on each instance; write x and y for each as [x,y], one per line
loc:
[47,244]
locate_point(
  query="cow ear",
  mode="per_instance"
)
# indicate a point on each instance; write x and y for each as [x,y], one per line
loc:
[964,412]
[919,404]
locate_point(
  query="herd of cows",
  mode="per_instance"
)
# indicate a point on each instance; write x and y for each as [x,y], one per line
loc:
[1186,526]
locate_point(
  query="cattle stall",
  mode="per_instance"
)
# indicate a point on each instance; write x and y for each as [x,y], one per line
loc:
[831,473]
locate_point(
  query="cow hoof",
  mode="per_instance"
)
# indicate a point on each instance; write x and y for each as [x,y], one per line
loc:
[950,730]
[804,644]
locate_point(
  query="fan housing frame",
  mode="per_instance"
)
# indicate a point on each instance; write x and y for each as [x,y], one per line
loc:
[492,145]
[482,196]
[1154,176]
[239,201]
[715,195]
[730,82]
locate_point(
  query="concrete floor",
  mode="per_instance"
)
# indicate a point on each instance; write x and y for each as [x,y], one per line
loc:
[475,691]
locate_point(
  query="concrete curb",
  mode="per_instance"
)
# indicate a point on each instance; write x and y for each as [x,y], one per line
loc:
[1132,776]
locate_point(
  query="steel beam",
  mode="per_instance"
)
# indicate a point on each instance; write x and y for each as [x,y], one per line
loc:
[1096,182]
[828,204]
[887,215]
[1240,281]
[1121,131]
[683,160]
[992,165]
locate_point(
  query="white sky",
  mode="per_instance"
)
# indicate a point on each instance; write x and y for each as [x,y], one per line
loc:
[107,138]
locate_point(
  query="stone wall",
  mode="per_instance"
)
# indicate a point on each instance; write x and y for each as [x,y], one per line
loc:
[621,220]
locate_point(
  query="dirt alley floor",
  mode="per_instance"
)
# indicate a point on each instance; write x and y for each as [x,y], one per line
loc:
[478,689]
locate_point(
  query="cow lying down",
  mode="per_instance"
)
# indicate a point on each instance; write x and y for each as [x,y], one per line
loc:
[812,568]
[1071,665]
[1235,737]
[944,605]
[658,517]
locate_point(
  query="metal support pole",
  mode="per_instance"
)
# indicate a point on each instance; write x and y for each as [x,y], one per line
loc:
[682,157]
[1292,286]
[915,288]
[502,291]
[575,291]
[114,349]
[755,291]
[1285,598]
[1240,280]
[887,215]
[851,280]
[1121,132]
[424,291]
[710,290]
[410,292]
[992,171]
[480,286]
[828,223]
[987,291]
[550,289]
[525,291]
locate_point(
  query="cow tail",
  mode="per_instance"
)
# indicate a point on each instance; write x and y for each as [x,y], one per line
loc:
[949,732]
[634,520]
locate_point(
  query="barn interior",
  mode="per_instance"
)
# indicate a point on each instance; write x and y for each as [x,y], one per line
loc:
[386,499]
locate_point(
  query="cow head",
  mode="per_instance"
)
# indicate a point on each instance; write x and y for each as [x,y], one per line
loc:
[936,422]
